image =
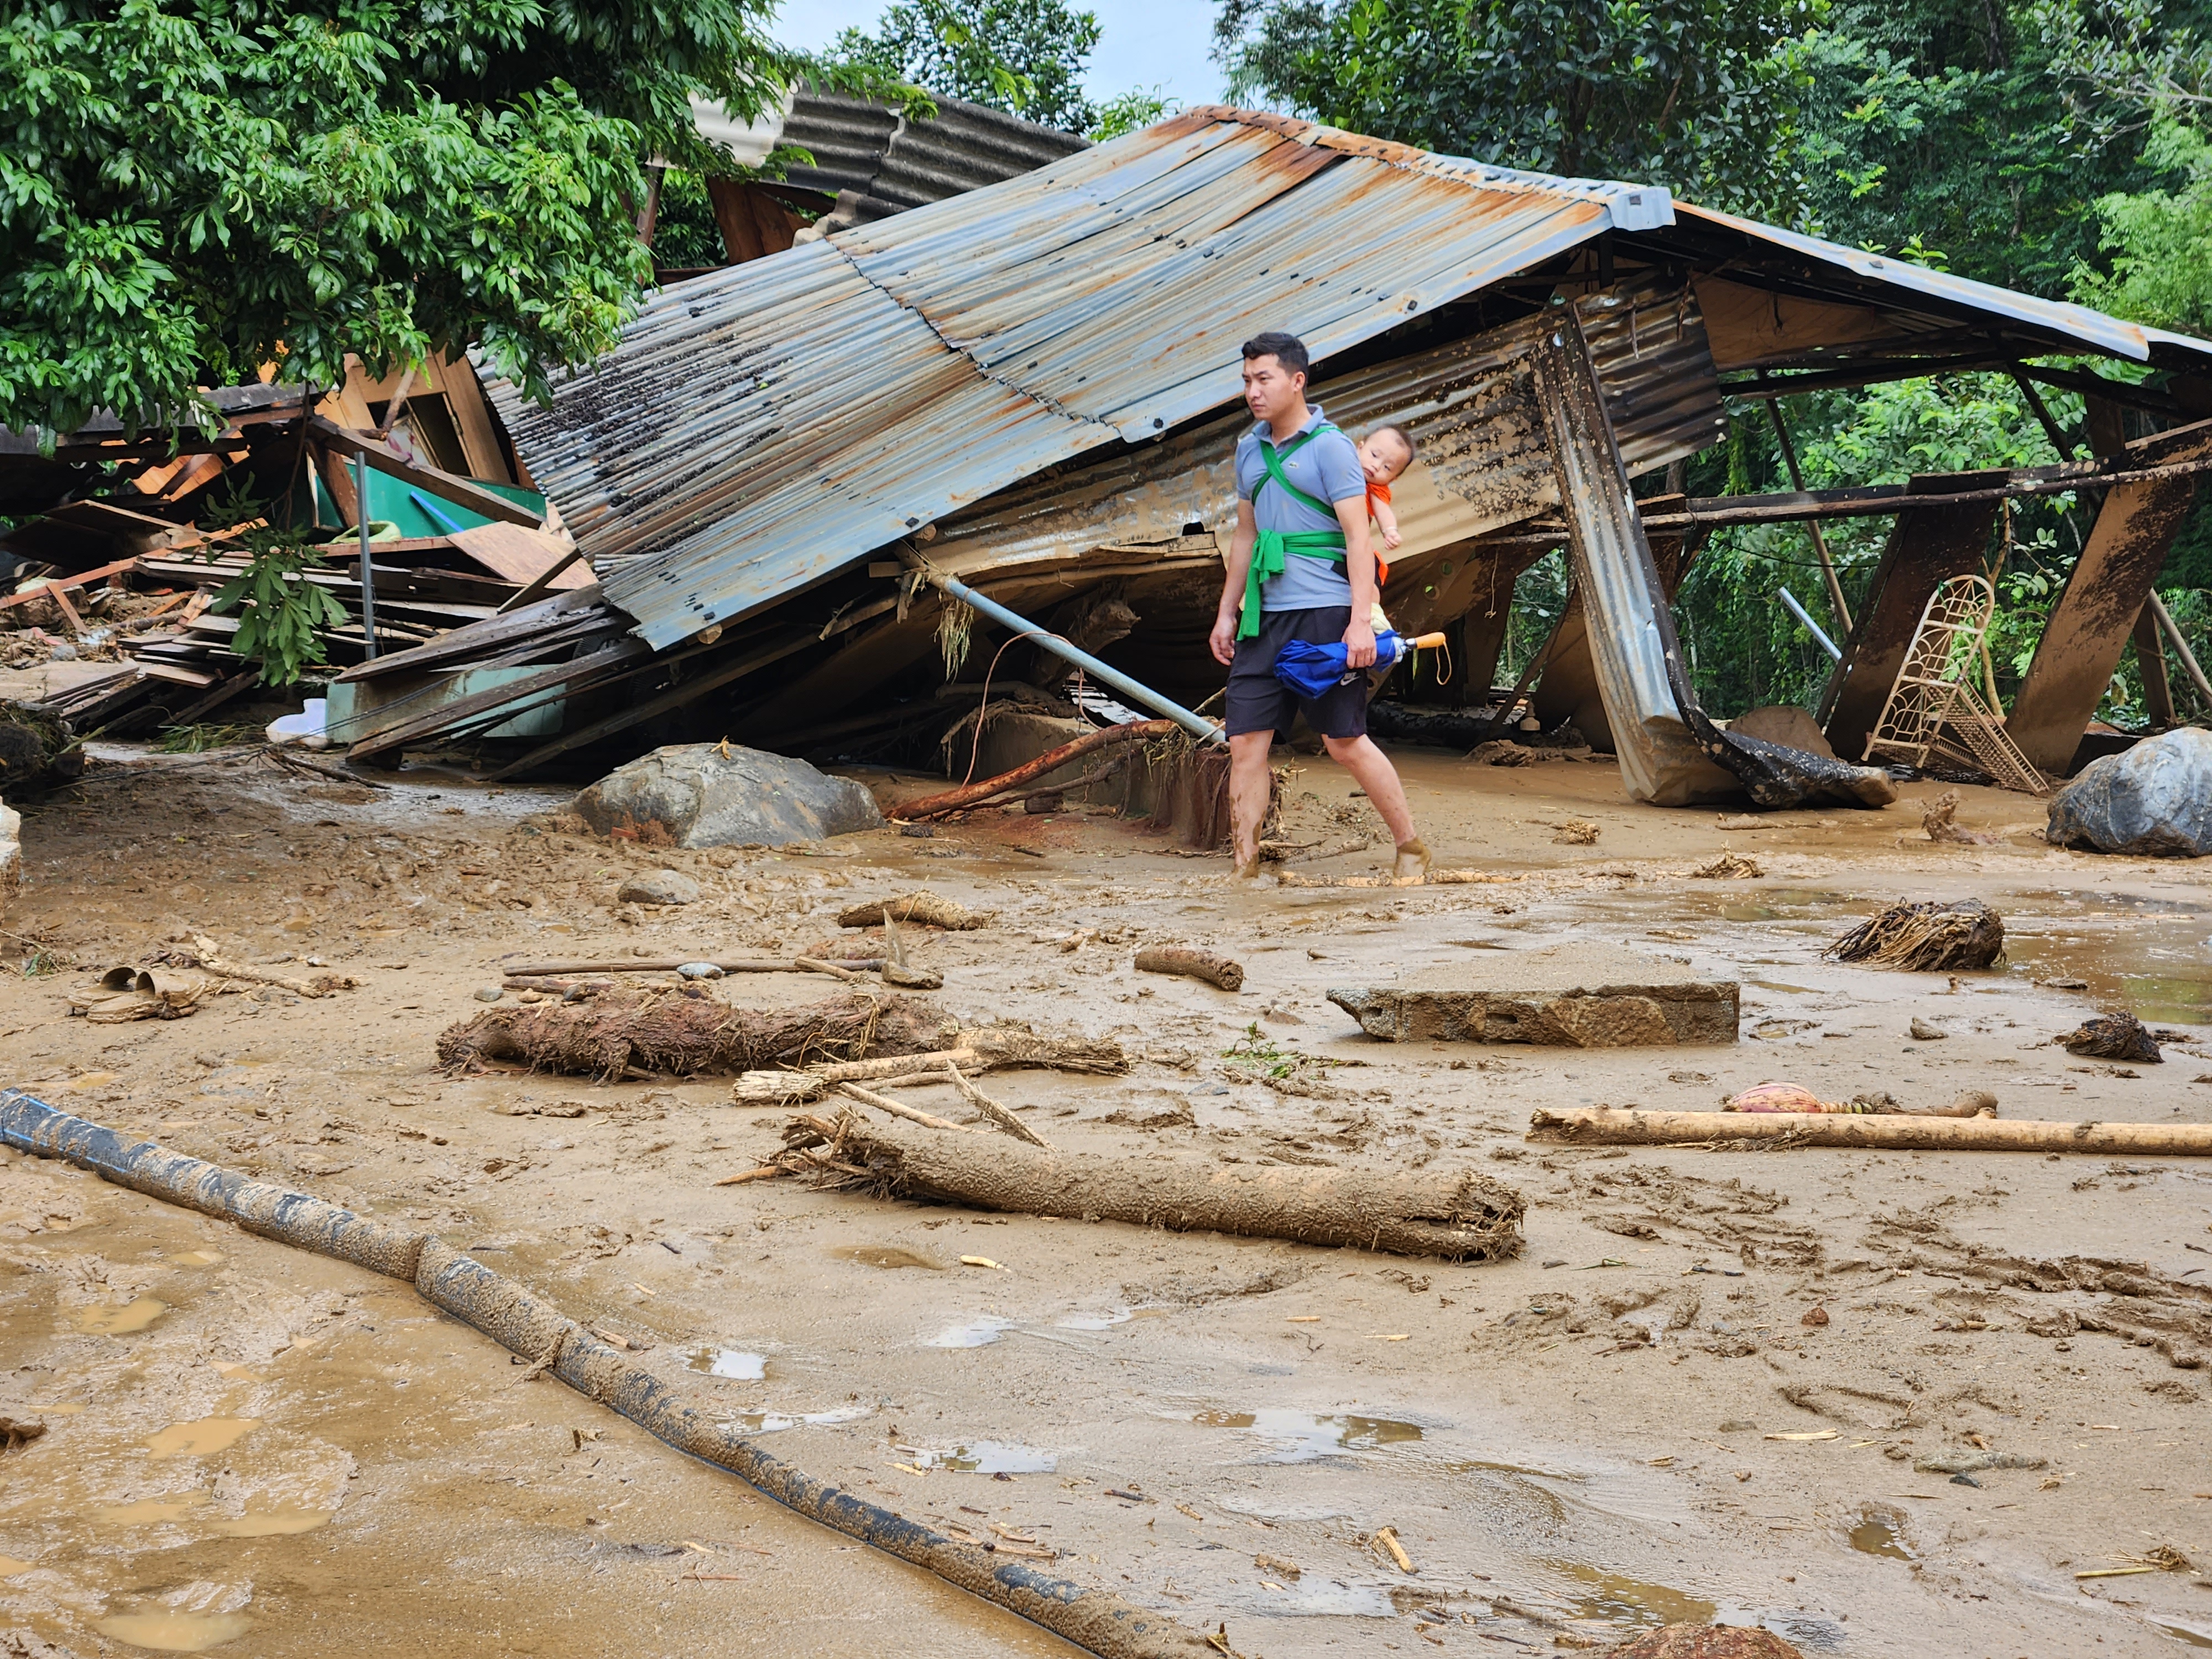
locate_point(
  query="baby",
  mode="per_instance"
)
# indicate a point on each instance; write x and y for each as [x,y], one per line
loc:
[1384,454]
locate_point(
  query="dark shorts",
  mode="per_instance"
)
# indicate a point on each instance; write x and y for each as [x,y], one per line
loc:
[1258,702]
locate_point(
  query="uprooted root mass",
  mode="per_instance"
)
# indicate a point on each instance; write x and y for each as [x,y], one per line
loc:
[680,1035]
[1925,937]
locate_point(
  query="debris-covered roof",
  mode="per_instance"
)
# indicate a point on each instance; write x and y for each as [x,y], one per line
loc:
[763,427]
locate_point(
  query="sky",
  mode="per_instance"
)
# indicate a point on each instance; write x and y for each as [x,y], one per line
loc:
[1141,43]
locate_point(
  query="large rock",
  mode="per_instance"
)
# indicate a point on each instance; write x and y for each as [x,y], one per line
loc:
[1577,996]
[2153,800]
[702,795]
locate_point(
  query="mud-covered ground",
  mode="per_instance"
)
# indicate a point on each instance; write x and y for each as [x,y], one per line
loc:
[247,1446]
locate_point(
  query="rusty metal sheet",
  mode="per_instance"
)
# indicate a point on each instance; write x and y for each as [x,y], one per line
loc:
[2057,318]
[760,428]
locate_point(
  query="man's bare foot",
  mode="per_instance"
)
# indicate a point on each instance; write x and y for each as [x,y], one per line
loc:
[1246,869]
[1412,861]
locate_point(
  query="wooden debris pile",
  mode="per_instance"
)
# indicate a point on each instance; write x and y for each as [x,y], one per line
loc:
[127,540]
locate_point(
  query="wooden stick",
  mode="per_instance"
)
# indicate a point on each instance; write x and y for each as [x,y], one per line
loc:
[766,1171]
[866,1071]
[1387,1537]
[885,1104]
[53,589]
[991,1108]
[1604,1127]
[557,970]
[951,801]
[2181,647]
[816,965]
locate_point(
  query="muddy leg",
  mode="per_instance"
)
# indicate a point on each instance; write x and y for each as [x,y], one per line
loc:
[1250,788]
[1372,768]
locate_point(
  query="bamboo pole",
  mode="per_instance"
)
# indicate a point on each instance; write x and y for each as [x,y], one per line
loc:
[1603,1125]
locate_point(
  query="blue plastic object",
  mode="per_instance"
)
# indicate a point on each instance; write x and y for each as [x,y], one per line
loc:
[1314,670]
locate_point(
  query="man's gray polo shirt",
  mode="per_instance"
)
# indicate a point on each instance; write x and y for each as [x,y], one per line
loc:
[1327,469]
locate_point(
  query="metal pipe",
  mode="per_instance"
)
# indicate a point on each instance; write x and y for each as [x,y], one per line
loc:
[368,570]
[1812,627]
[1820,541]
[1197,724]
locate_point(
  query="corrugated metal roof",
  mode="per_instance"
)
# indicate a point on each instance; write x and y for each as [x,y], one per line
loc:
[890,163]
[761,428]
[2108,335]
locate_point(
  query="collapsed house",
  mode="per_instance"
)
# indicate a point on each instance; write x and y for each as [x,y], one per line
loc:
[1032,387]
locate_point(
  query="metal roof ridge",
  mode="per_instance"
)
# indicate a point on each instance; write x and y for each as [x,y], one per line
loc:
[1640,207]
[938,334]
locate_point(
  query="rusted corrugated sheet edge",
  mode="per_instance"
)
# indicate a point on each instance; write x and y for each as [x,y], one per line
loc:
[2092,328]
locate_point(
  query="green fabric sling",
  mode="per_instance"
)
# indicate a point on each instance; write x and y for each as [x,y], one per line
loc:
[1269,547]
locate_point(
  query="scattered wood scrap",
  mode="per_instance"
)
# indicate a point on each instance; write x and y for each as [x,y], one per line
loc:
[1191,965]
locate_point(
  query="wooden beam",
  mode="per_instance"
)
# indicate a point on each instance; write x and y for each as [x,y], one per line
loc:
[1927,544]
[462,492]
[2150,662]
[54,589]
[2095,616]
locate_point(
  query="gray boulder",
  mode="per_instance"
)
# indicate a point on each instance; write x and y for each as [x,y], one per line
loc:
[658,887]
[2153,800]
[697,795]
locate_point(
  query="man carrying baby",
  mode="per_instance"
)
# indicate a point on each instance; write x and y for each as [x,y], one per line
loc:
[1301,567]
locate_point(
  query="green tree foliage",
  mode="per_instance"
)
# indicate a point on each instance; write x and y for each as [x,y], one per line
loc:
[190,189]
[1699,94]
[1949,125]
[1024,57]
[1132,111]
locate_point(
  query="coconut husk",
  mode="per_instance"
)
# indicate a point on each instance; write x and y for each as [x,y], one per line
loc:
[1925,937]
[675,1035]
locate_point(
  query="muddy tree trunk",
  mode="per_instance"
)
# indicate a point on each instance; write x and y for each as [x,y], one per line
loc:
[1460,1217]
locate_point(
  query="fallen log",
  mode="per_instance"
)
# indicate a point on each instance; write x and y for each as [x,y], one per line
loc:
[923,907]
[678,1034]
[1602,1125]
[900,1108]
[1191,965]
[1460,1217]
[969,795]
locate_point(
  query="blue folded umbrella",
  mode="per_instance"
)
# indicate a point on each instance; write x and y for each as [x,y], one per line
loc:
[1314,670]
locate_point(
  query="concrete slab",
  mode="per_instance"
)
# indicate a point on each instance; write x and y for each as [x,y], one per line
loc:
[1573,996]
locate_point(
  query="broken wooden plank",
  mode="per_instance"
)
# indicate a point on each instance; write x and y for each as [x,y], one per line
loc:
[462,492]
[523,557]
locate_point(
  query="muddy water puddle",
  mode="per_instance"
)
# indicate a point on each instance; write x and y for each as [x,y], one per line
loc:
[732,1363]
[104,1319]
[984,1457]
[888,1256]
[174,1632]
[1615,1600]
[1294,1436]
[1878,1536]
[201,1439]
[973,1334]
